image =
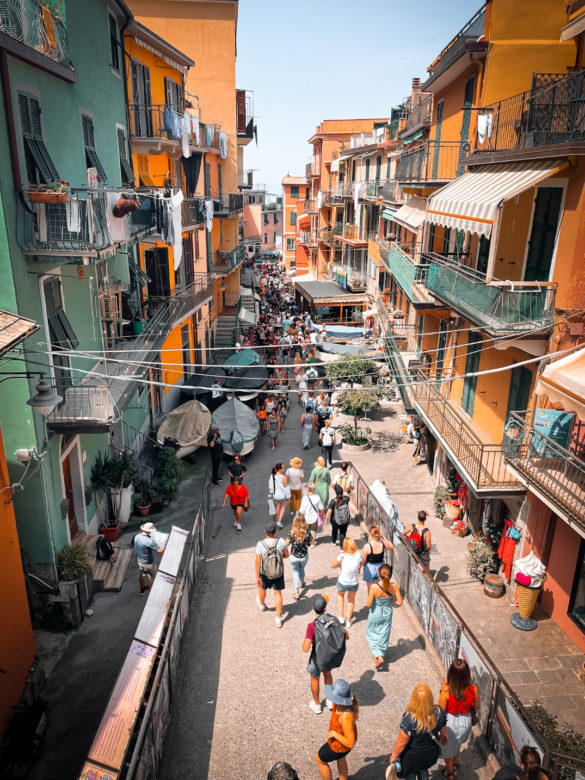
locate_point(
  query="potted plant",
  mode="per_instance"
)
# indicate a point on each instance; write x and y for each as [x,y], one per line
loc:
[143,503]
[481,559]
[453,483]
[355,437]
[100,480]
[169,471]
[72,562]
[357,402]
[122,472]
[440,496]
[351,370]
[54,192]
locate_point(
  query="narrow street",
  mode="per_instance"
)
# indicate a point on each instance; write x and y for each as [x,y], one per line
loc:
[245,690]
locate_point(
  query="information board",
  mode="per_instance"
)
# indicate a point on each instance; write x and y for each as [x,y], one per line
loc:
[93,772]
[509,733]
[443,631]
[419,595]
[155,611]
[173,553]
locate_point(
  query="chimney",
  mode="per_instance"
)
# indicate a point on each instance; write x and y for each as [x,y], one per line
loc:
[415,85]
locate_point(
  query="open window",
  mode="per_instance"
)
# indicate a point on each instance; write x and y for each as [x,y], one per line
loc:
[39,165]
[91,158]
[126,171]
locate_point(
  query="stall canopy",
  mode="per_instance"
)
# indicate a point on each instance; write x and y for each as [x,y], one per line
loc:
[564,383]
[188,424]
[470,203]
[328,293]
[244,357]
[388,214]
[412,214]
[247,316]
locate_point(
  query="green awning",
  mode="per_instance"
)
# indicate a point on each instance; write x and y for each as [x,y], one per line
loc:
[244,357]
[388,214]
[413,137]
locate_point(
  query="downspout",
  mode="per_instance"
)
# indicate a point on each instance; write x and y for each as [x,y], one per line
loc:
[7,94]
[123,29]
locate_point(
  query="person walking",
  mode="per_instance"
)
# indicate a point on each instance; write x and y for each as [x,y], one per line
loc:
[319,607]
[382,595]
[269,568]
[215,445]
[237,469]
[308,425]
[327,440]
[299,540]
[422,730]
[312,510]
[239,500]
[458,698]
[373,554]
[342,734]
[278,491]
[349,563]
[338,515]
[295,477]
[282,413]
[144,545]
[529,757]
[418,537]
[321,477]
[344,479]
[273,426]
[262,416]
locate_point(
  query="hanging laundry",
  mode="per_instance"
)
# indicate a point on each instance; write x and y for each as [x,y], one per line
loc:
[186,134]
[119,229]
[209,138]
[192,168]
[484,126]
[356,197]
[223,145]
[209,214]
[176,211]
[195,129]
[319,200]
[73,216]
[507,548]
[172,123]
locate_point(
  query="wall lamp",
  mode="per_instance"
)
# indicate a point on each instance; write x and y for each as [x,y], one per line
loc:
[46,397]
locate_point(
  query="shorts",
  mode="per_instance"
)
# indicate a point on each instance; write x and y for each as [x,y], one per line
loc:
[147,568]
[312,667]
[267,584]
[327,755]
[347,588]
[235,506]
[371,571]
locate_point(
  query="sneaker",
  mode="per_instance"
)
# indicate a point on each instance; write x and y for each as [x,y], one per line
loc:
[279,525]
[143,591]
[238,527]
[317,709]
[235,523]
[329,703]
[348,623]
[278,621]
[261,606]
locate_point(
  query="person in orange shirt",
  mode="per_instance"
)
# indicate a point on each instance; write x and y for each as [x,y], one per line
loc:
[342,734]
[262,415]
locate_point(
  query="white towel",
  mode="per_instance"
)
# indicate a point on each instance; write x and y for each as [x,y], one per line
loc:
[223,146]
[356,198]
[176,201]
[186,134]
[319,200]
[209,214]
[73,216]
[195,128]
[485,124]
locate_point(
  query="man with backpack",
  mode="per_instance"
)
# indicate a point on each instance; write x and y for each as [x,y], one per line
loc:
[338,515]
[418,537]
[270,555]
[325,638]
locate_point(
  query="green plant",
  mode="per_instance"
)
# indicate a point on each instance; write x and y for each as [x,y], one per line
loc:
[481,560]
[354,436]
[169,471]
[73,561]
[144,490]
[99,475]
[358,402]
[122,469]
[352,369]
[440,495]
[452,480]
[559,739]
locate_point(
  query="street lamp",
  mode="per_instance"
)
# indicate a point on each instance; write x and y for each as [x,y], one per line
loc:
[46,398]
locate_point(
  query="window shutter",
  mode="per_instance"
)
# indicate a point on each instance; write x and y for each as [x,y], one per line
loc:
[25,120]
[30,117]
[545,221]
[471,366]
[125,168]
[438,130]
[91,158]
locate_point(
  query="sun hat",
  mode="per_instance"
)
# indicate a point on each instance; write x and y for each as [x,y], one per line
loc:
[148,527]
[320,602]
[296,463]
[339,693]
[270,529]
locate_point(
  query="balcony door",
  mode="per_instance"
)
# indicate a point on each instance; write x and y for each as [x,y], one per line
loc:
[543,234]
[141,99]
[156,265]
[441,349]
[519,393]
[471,366]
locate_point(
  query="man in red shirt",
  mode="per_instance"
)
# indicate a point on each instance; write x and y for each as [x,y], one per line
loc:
[239,499]
[319,605]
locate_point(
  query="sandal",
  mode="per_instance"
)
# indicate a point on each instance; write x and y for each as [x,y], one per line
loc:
[296,596]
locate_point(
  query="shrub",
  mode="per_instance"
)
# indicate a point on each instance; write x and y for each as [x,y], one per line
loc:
[169,471]
[354,436]
[560,739]
[481,560]
[441,494]
[72,561]
[352,369]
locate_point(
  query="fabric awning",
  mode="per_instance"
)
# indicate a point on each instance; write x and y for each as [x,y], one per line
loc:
[388,214]
[574,28]
[413,137]
[247,316]
[369,313]
[302,218]
[564,382]
[470,203]
[412,214]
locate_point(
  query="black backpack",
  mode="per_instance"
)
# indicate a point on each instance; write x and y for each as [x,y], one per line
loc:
[341,513]
[104,549]
[329,642]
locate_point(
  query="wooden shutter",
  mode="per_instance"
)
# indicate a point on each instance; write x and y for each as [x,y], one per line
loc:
[438,131]
[30,118]
[519,393]
[466,117]
[125,168]
[471,366]
[91,158]
[545,222]
[219,188]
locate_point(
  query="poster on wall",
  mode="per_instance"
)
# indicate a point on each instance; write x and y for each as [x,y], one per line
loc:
[509,733]
[481,676]
[160,714]
[419,595]
[444,630]
[401,564]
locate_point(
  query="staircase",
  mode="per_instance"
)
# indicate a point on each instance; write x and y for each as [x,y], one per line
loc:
[225,337]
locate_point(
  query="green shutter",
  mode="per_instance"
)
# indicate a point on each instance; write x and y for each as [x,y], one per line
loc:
[545,222]
[91,158]
[519,393]
[125,168]
[471,366]
[466,117]
[30,118]
[438,130]
[294,192]
[293,218]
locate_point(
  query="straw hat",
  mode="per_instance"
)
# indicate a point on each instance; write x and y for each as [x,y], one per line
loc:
[296,463]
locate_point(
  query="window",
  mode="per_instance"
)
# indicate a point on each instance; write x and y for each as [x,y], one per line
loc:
[208,180]
[438,131]
[143,171]
[388,160]
[266,219]
[471,366]
[378,167]
[431,240]
[174,95]
[368,169]
[114,43]
[446,240]
[61,334]
[186,348]
[141,108]
[290,244]
[91,158]
[126,171]
[265,238]
[294,192]
[39,166]
[293,218]
[275,216]
[577,602]
[307,193]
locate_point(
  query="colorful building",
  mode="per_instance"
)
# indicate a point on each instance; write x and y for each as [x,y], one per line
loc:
[295,190]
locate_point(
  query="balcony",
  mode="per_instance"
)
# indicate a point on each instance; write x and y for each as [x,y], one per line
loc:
[499,307]
[551,471]
[38,27]
[391,192]
[187,300]
[244,116]
[481,463]
[329,235]
[154,129]
[351,232]
[432,162]
[343,189]
[227,261]
[227,205]
[420,115]
[465,42]
[192,213]
[371,190]
[535,123]
[309,238]
[394,356]
[313,169]
[410,275]
[311,207]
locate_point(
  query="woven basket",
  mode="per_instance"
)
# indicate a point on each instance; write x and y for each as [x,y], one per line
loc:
[526,599]
[452,511]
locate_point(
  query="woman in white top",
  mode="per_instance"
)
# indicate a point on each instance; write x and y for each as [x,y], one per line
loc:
[278,491]
[349,562]
[311,505]
[295,477]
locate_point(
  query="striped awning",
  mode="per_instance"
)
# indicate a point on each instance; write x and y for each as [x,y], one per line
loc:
[564,382]
[470,203]
[412,214]
[388,214]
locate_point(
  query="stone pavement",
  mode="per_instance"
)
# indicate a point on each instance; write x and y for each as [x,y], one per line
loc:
[245,690]
[541,665]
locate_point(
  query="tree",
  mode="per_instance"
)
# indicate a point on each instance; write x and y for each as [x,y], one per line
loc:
[352,369]
[358,402]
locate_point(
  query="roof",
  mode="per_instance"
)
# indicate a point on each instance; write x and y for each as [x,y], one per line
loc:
[328,292]
[14,329]
[143,34]
[294,180]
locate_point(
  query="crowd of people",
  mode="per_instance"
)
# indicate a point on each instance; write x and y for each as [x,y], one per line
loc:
[317,500]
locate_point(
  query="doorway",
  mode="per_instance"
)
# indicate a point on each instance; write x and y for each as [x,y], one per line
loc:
[73,485]
[543,233]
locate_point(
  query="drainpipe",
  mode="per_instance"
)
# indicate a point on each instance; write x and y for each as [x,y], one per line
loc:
[7,94]
[123,29]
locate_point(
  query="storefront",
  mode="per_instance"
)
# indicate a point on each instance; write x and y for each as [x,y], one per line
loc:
[328,303]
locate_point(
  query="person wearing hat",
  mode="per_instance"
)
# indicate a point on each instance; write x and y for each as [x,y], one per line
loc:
[144,546]
[342,734]
[295,477]
[215,445]
[263,582]
[319,606]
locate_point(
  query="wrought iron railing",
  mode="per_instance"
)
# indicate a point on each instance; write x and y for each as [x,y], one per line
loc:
[500,306]
[310,206]
[313,168]
[457,46]
[227,204]
[551,113]
[351,232]
[38,26]
[343,189]
[89,405]
[245,113]
[226,261]
[420,115]
[432,161]
[161,121]
[192,212]
[184,302]
[391,191]
[405,270]
[482,462]
[549,468]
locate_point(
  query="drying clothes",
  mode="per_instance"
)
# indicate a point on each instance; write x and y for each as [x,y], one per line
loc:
[356,196]
[485,123]
[195,129]
[186,135]
[507,548]
[209,137]
[319,200]
[118,227]
[73,216]
[176,212]
[209,214]
[172,123]
[192,168]
[223,145]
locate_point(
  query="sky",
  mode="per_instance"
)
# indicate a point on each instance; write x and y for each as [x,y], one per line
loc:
[309,60]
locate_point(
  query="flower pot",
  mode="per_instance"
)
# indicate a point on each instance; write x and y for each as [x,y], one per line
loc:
[143,511]
[111,534]
[349,448]
[122,501]
[452,511]
[46,196]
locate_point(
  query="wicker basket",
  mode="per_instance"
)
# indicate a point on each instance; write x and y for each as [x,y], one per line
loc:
[527,598]
[452,511]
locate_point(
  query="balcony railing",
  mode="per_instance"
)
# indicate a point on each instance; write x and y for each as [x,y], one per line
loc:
[309,238]
[501,307]
[465,40]
[371,189]
[398,369]
[329,234]
[37,26]
[186,301]
[482,462]
[551,113]
[432,161]
[227,261]
[228,204]
[193,212]
[407,272]
[352,232]
[420,115]
[311,207]
[163,123]
[244,113]
[343,189]
[549,469]
[313,169]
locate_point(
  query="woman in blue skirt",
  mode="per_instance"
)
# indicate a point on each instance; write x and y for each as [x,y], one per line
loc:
[381,598]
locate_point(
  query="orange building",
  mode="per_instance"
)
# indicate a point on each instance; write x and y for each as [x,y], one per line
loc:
[295,192]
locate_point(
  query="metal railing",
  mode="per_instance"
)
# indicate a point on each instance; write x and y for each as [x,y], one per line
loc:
[88,405]
[482,462]
[432,161]
[244,113]
[457,46]
[391,191]
[549,468]
[192,212]
[420,115]
[161,121]
[500,306]
[313,169]
[311,207]
[37,26]
[226,261]
[406,271]
[343,189]
[309,238]
[227,204]
[552,112]
[186,301]
[398,369]
[352,232]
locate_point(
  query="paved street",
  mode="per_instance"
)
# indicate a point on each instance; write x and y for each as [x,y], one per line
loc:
[245,689]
